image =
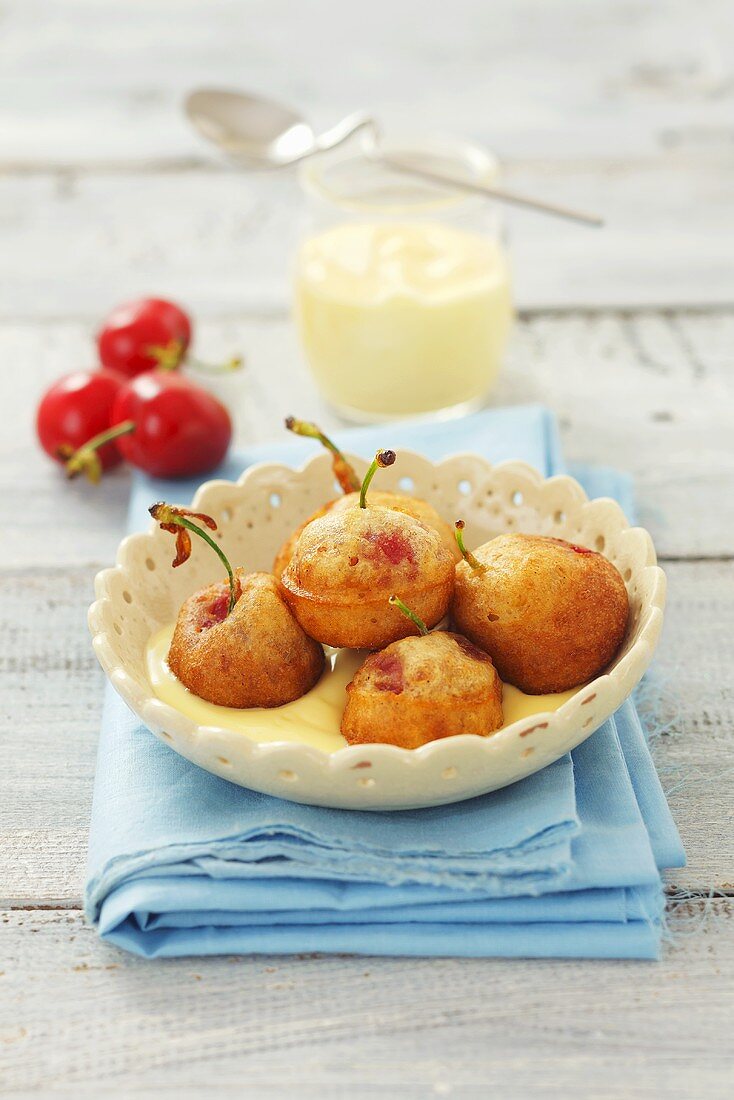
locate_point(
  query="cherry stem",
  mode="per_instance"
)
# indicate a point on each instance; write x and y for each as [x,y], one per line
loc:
[167,356]
[165,515]
[232,364]
[415,619]
[467,555]
[85,459]
[171,356]
[381,459]
[343,471]
[220,554]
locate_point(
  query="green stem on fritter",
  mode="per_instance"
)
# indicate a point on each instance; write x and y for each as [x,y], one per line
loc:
[343,471]
[175,521]
[467,555]
[381,460]
[415,619]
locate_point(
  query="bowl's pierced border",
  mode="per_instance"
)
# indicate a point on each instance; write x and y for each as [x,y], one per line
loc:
[141,593]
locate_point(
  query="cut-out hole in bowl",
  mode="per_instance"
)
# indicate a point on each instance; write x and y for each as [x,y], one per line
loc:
[275,500]
[155,593]
[406,484]
[464,486]
[226,515]
[127,597]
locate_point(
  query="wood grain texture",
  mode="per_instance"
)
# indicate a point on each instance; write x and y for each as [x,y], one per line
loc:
[652,391]
[621,107]
[222,241]
[89,81]
[331,1027]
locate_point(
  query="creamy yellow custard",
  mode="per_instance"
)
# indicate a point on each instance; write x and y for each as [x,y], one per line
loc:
[314,719]
[402,318]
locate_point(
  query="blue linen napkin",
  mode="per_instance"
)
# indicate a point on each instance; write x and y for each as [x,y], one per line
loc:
[564,863]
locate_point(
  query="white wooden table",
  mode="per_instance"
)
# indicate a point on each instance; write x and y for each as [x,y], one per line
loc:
[628,334]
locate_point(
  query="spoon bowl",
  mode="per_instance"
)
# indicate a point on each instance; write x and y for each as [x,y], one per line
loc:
[259,132]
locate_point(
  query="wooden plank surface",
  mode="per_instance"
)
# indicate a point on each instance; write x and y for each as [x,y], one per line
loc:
[623,108]
[652,389]
[627,334]
[364,1027]
[223,241]
[90,82]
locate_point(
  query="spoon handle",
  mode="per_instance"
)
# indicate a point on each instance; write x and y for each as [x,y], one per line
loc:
[338,134]
[491,192]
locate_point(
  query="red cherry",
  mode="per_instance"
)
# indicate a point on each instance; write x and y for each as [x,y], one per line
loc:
[142,335]
[75,409]
[180,429]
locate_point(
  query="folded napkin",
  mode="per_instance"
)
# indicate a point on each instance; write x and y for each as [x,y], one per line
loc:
[564,863]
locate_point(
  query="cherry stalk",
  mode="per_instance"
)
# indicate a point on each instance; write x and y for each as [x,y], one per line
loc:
[176,521]
[415,619]
[173,355]
[380,461]
[343,471]
[139,336]
[85,460]
[467,555]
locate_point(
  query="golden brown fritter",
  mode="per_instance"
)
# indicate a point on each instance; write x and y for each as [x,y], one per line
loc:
[550,614]
[257,656]
[422,689]
[409,506]
[346,564]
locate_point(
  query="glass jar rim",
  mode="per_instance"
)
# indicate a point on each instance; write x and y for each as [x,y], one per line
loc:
[474,162]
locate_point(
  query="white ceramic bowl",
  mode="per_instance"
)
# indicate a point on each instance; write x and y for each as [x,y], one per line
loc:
[142,593]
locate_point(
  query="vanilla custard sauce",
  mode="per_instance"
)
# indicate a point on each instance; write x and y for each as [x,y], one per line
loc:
[314,719]
[402,318]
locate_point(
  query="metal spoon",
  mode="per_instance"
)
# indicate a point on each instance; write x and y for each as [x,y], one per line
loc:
[261,133]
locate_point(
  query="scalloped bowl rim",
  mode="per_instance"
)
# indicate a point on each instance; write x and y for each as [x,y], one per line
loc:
[638,655]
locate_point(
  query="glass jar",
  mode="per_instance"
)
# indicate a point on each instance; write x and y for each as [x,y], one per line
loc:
[402,292]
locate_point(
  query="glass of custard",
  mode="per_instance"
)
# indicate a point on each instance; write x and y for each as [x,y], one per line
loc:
[402,289]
